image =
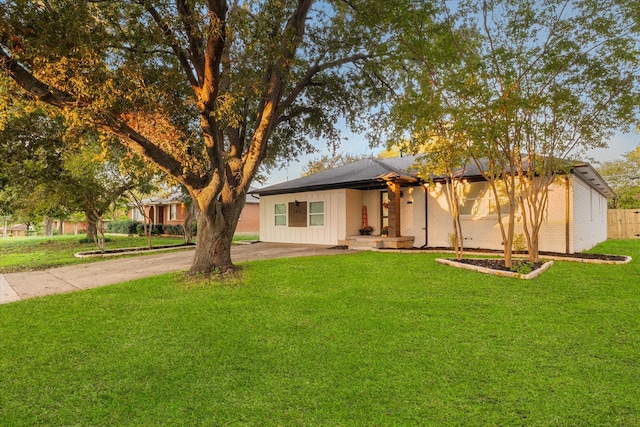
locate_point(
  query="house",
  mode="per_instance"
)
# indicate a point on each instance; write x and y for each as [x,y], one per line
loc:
[330,207]
[16,230]
[172,210]
[70,227]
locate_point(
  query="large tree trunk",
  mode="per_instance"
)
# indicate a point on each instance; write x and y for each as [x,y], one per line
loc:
[216,226]
[95,228]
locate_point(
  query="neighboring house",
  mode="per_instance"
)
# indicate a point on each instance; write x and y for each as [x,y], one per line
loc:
[70,227]
[165,210]
[16,230]
[330,207]
[172,210]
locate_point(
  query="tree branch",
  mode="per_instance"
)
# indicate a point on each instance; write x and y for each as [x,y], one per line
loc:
[35,87]
[147,149]
[180,53]
[195,43]
[312,72]
[296,112]
[276,80]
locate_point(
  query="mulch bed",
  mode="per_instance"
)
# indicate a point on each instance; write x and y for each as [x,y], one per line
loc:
[498,264]
[602,257]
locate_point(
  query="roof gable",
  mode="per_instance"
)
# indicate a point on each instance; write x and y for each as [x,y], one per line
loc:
[362,174]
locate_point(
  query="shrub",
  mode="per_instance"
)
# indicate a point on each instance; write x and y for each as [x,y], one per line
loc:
[524,267]
[174,230]
[86,240]
[125,226]
[519,243]
[156,229]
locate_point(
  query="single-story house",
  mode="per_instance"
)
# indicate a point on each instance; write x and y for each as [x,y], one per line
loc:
[330,207]
[70,227]
[172,210]
[16,230]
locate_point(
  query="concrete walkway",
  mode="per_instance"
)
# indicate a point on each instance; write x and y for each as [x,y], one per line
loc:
[18,286]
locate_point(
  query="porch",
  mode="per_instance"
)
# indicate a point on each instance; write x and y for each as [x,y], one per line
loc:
[368,242]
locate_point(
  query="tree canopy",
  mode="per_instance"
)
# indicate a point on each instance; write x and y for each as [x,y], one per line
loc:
[49,171]
[526,84]
[207,90]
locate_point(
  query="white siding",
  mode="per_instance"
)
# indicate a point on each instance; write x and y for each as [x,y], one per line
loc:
[334,217]
[370,199]
[353,213]
[553,234]
[343,216]
[589,216]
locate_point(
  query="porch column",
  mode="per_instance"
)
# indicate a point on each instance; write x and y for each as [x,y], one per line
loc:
[394,209]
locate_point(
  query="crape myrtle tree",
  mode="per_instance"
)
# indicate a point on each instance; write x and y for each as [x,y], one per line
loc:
[445,157]
[529,84]
[207,90]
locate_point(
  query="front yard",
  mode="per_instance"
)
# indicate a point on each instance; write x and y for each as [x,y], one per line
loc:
[365,339]
[39,253]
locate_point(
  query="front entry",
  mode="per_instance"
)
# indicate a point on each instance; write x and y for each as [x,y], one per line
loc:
[384,209]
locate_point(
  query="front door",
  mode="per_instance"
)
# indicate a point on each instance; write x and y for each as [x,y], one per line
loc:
[384,210]
[160,219]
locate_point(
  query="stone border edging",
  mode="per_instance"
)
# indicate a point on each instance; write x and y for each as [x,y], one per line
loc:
[128,251]
[627,258]
[501,273]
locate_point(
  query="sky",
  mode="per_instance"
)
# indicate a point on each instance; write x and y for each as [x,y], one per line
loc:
[620,144]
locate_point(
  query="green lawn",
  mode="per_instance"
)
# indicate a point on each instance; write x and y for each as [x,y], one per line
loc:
[39,253]
[373,339]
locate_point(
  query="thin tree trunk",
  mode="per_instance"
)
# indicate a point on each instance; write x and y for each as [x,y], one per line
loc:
[454,207]
[92,227]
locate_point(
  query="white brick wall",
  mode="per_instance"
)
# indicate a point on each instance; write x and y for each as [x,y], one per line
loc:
[343,217]
[485,232]
[412,219]
[589,216]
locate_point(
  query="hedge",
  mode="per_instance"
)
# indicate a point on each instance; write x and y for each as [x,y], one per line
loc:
[125,226]
[128,226]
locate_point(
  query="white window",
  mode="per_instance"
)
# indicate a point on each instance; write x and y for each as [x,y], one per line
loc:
[137,216]
[316,214]
[173,209]
[280,216]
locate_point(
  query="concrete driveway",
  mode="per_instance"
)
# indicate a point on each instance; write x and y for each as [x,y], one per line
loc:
[18,286]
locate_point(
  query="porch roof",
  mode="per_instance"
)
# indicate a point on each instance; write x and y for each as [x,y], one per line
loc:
[363,174]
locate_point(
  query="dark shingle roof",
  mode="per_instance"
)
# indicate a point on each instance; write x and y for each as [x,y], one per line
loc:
[372,174]
[362,174]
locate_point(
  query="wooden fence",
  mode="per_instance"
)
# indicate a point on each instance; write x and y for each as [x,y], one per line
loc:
[623,223]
